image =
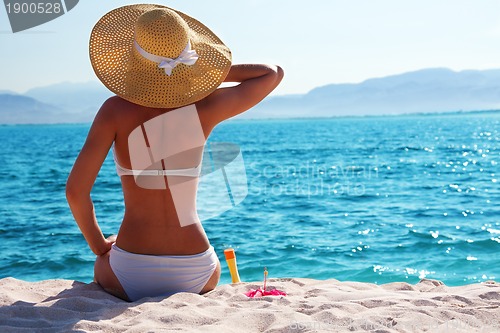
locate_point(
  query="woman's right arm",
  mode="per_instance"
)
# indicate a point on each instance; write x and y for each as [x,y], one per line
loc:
[84,173]
[255,83]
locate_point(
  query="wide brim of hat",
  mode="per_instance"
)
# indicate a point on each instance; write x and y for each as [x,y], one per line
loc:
[125,72]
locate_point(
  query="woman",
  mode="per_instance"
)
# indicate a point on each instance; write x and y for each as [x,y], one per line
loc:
[165,68]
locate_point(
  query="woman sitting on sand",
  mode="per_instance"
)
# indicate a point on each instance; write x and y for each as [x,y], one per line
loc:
[165,68]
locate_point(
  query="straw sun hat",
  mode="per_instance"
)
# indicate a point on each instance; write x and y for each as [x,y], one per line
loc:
[156,56]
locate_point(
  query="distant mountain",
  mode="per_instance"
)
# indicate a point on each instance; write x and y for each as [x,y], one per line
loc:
[423,91]
[8,92]
[59,103]
[72,97]
[18,109]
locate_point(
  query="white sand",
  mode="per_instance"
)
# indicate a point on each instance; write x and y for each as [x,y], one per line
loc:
[311,306]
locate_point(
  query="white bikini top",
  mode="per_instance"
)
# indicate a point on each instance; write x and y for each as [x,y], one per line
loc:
[188,172]
[160,138]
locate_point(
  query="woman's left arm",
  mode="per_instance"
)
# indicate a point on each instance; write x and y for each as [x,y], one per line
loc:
[84,173]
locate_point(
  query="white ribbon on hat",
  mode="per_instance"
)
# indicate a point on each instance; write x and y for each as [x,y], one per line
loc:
[187,57]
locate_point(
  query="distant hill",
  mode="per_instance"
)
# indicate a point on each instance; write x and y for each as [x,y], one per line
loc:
[8,92]
[423,91]
[16,109]
[59,103]
[72,97]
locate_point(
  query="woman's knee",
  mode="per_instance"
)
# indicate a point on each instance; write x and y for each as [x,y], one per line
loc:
[106,278]
[213,281]
[100,267]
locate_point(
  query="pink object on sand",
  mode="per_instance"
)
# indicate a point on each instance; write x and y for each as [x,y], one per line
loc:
[260,292]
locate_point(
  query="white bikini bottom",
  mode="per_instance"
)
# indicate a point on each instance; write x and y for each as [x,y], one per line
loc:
[161,275]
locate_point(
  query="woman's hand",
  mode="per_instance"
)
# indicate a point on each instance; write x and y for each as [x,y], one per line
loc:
[111,239]
[108,242]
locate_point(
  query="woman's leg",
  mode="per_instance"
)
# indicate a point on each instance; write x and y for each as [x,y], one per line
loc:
[213,281]
[106,278]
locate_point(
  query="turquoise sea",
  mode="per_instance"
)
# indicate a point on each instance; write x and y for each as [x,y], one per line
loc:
[374,199]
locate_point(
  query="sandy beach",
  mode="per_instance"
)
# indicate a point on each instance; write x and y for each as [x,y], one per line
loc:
[310,306]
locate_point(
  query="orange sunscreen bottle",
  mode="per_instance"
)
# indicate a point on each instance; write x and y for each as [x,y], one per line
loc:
[231,263]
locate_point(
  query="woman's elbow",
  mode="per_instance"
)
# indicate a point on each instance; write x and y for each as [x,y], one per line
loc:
[280,73]
[73,191]
[277,76]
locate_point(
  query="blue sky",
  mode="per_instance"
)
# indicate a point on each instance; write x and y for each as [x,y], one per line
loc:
[327,41]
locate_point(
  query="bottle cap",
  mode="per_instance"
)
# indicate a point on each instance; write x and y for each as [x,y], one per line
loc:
[229,253]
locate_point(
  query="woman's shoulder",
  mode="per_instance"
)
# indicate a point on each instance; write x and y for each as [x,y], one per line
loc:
[116,106]
[112,112]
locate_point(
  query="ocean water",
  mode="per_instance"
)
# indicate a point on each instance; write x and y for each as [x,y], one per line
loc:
[376,199]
